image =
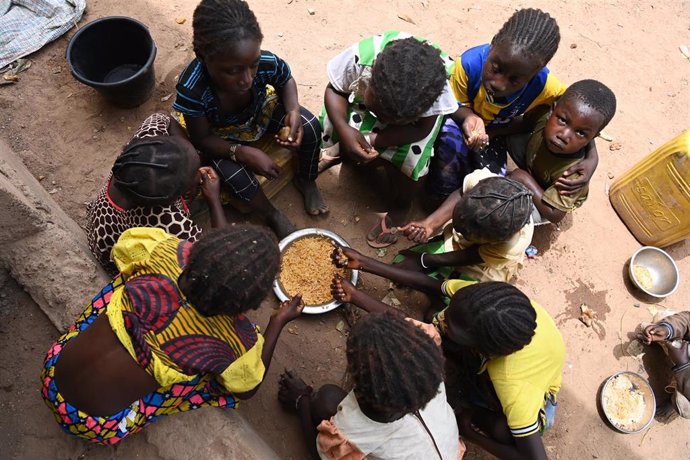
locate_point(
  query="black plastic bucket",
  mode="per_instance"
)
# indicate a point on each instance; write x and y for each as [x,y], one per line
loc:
[115,56]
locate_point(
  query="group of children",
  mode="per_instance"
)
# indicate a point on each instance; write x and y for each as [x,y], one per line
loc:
[486,364]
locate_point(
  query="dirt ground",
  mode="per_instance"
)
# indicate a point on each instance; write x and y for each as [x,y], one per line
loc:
[68,137]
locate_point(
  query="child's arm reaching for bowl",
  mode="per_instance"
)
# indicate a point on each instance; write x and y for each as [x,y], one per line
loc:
[421,231]
[350,258]
[344,291]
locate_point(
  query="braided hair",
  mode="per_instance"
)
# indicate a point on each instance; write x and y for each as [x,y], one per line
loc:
[218,24]
[396,368]
[230,270]
[152,171]
[532,33]
[404,91]
[502,319]
[493,210]
[595,95]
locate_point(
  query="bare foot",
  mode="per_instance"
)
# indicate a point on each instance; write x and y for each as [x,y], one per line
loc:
[280,224]
[313,201]
[329,157]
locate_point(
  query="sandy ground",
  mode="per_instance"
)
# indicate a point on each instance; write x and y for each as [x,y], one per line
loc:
[68,135]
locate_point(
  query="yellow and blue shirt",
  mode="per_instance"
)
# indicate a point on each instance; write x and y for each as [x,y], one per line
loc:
[466,82]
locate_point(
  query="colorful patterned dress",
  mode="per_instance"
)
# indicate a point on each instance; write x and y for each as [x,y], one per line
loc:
[198,361]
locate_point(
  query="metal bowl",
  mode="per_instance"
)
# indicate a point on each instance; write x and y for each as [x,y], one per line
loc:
[640,384]
[662,270]
[291,238]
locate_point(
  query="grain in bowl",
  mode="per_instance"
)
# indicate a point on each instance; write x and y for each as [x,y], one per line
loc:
[307,268]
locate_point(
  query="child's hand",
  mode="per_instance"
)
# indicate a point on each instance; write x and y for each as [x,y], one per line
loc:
[210,183]
[258,161]
[354,144]
[346,258]
[475,133]
[293,123]
[342,289]
[419,232]
[289,309]
[653,333]
[574,178]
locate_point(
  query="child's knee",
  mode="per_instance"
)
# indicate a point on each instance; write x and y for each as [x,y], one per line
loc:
[325,401]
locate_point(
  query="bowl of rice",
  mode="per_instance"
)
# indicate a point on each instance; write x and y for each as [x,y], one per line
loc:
[628,402]
[654,272]
[306,268]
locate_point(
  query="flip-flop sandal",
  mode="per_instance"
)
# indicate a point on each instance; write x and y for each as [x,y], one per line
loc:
[385,230]
[329,157]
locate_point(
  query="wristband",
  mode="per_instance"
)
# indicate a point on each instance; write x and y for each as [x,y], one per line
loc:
[233,151]
[421,260]
[305,393]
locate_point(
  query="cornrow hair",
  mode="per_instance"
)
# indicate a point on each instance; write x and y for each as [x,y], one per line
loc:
[218,24]
[503,319]
[152,171]
[595,95]
[530,32]
[396,368]
[404,91]
[230,270]
[494,209]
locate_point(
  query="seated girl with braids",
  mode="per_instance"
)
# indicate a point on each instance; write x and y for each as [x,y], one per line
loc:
[397,408]
[495,84]
[169,334]
[504,352]
[147,187]
[234,94]
[385,101]
[487,238]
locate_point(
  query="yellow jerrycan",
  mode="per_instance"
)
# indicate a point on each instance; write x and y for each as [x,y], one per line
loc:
[653,198]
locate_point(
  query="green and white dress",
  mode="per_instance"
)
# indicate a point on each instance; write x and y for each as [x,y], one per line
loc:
[350,73]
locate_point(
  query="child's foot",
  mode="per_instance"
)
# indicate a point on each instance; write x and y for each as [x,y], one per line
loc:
[383,234]
[291,389]
[329,157]
[280,224]
[313,201]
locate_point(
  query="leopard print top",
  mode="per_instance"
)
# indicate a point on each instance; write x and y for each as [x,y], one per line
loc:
[107,220]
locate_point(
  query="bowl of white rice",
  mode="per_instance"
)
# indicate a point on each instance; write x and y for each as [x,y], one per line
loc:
[628,402]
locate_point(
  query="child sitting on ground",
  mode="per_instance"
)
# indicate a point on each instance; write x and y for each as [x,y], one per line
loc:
[146,186]
[169,334]
[507,352]
[557,143]
[234,93]
[674,328]
[487,238]
[386,98]
[494,84]
[398,406]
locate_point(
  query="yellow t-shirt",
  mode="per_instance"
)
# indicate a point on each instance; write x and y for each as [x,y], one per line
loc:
[502,259]
[523,379]
[163,332]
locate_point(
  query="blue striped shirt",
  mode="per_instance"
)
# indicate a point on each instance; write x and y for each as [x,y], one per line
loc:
[196,96]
